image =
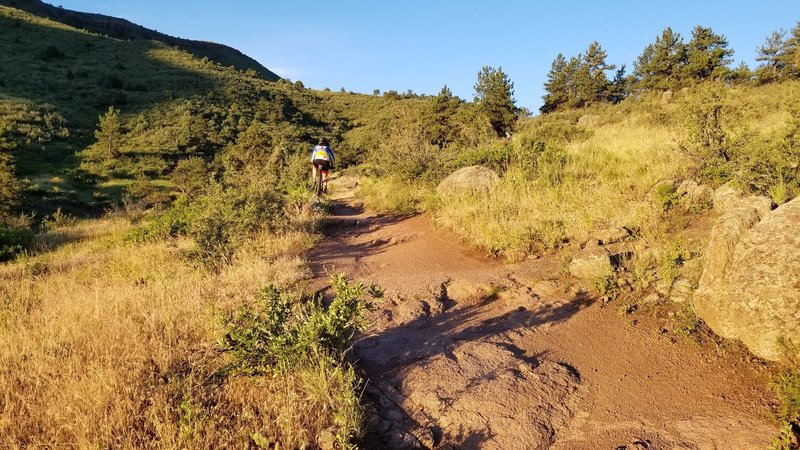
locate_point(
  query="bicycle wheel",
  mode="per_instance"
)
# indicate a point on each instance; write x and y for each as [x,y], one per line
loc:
[318,185]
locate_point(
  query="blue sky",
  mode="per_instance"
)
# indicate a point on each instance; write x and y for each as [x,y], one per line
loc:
[422,45]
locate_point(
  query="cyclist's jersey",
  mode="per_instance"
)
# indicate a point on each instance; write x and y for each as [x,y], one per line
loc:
[322,153]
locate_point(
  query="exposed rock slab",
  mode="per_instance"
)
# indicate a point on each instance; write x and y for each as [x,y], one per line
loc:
[750,288]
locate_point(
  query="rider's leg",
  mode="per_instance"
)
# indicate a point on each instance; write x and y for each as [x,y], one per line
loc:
[313,173]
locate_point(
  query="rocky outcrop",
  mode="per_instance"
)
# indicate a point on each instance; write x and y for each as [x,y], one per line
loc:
[750,287]
[468,179]
[591,263]
[694,193]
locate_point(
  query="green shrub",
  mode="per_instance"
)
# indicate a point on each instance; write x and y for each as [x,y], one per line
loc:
[786,386]
[278,333]
[13,241]
[666,195]
[224,218]
[174,222]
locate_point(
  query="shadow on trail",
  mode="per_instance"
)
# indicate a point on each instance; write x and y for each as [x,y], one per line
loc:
[386,358]
[397,347]
[347,223]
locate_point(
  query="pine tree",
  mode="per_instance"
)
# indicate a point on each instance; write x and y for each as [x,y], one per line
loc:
[557,85]
[707,54]
[773,57]
[592,84]
[660,65]
[494,94]
[109,132]
[573,73]
[790,57]
[618,89]
[444,106]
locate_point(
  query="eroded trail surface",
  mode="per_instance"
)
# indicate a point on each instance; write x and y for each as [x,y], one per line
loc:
[465,352]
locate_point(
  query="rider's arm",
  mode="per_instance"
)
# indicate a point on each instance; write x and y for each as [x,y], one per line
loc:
[330,153]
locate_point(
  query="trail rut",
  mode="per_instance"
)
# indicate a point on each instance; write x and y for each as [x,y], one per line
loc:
[468,352]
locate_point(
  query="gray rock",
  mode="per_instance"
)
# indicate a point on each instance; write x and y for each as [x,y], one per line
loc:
[468,179]
[591,263]
[412,313]
[694,193]
[681,291]
[725,196]
[750,287]
[651,299]
[393,415]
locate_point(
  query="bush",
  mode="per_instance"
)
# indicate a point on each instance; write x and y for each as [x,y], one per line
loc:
[786,385]
[277,333]
[50,52]
[13,241]
[190,176]
[223,219]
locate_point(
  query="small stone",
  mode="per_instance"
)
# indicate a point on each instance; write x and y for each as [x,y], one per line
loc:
[681,291]
[650,299]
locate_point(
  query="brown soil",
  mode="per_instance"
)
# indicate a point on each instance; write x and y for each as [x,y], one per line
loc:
[466,352]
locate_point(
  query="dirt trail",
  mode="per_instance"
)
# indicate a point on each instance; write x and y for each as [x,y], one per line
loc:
[465,352]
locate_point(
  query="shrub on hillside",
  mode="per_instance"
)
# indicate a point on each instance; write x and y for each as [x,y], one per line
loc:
[278,333]
[13,241]
[190,176]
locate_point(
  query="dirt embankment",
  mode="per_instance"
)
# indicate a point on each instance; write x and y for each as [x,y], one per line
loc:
[465,352]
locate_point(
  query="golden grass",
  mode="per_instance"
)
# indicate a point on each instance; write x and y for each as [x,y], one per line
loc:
[605,183]
[110,344]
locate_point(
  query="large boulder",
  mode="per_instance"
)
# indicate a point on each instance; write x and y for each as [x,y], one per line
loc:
[750,287]
[469,179]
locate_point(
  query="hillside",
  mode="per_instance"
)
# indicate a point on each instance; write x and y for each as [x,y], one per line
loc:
[124,30]
[477,277]
[57,80]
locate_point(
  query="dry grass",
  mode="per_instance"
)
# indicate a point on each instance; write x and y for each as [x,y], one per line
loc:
[605,182]
[109,344]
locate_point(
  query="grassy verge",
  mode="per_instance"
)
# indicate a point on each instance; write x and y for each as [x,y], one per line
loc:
[105,342]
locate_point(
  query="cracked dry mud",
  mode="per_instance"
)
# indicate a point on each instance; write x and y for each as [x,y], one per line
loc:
[466,352]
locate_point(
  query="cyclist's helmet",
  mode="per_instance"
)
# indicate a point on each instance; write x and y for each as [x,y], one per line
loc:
[323,141]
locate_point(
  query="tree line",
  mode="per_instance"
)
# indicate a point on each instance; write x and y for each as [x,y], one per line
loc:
[667,63]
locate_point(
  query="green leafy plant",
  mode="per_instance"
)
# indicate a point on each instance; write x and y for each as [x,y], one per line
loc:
[277,332]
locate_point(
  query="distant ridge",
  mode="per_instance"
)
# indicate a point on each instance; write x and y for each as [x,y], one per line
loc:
[124,29]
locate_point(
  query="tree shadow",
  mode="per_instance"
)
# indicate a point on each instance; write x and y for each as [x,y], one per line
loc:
[386,358]
[340,228]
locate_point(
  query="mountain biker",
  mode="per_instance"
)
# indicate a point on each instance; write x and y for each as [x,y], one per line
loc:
[322,159]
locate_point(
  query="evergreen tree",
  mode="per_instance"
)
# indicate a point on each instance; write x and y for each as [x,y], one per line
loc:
[773,57]
[557,85]
[572,72]
[660,65]
[109,132]
[790,57]
[592,84]
[618,89]
[494,94]
[707,54]
[444,106]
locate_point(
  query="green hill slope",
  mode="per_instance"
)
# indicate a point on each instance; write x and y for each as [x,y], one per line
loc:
[122,29]
[55,80]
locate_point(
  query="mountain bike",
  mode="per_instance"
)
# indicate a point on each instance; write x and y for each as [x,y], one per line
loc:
[320,182]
